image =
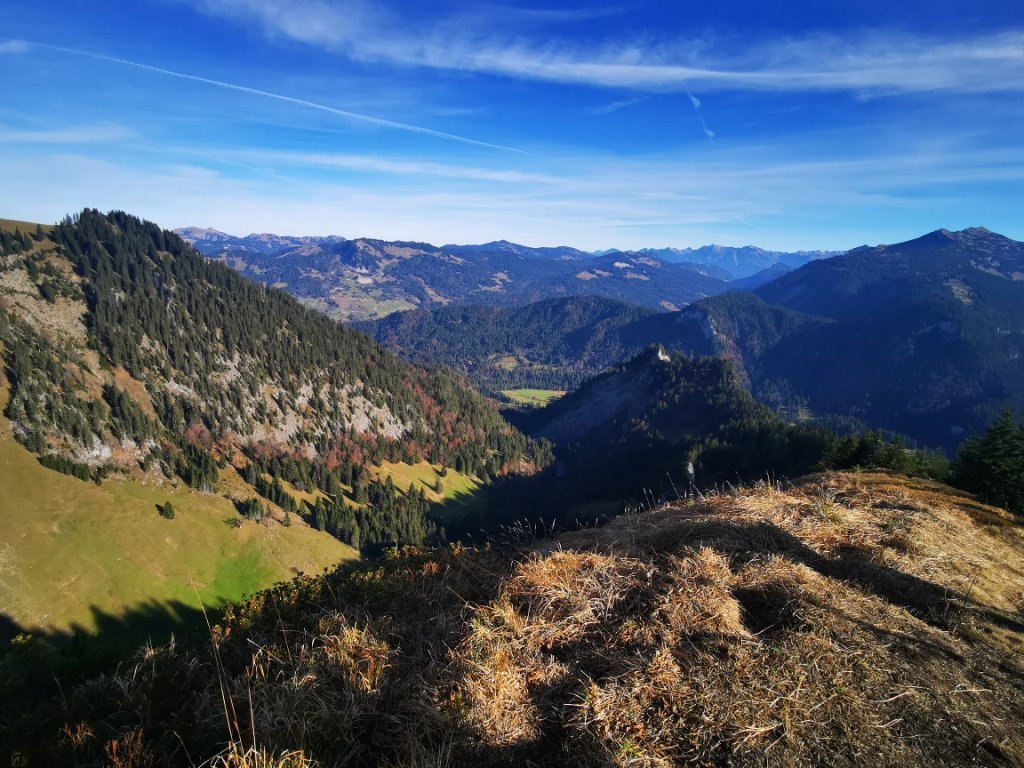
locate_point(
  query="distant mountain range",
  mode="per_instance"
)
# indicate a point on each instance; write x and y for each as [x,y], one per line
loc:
[924,337]
[738,263]
[365,278]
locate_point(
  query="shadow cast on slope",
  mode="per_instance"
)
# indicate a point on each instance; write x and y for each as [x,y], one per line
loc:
[744,542]
[38,663]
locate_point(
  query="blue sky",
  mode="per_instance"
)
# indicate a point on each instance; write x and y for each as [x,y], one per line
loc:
[818,125]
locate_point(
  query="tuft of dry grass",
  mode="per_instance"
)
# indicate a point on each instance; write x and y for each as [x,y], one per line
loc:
[257,757]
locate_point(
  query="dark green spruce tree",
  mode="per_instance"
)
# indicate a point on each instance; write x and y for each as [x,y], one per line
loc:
[992,464]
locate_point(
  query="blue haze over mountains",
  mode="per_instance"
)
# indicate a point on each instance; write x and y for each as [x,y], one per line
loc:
[501,273]
[925,338]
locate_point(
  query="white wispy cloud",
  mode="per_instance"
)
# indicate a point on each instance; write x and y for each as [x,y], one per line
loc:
[85,134]
[348,115]
[562,15]
[13,46]
[700,118]
[597,202]
[377,164]
[615,106]
[870,62]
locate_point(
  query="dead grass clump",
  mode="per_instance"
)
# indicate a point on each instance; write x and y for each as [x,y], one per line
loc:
[497,679]
[359,657]
[257,757]
[312,690]
[695,599]
[570,595]
[129,751]
[711,698]
[767,609]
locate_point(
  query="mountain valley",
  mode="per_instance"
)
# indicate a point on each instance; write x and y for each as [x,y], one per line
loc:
[599,385]
[921,338]
[703,502]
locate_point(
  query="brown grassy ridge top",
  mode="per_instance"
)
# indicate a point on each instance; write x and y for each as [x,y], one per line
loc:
[851,619]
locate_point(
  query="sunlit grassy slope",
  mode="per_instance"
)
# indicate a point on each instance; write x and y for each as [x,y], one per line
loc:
[459,494]
[424,476]
[71,551]
[534,397]
[28,227]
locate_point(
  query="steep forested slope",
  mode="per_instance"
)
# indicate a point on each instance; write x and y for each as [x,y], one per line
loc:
[552,344]
[125,349]
[927,339]
[641,423]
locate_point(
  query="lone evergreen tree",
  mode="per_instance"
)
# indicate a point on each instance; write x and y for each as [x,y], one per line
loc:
[992,465]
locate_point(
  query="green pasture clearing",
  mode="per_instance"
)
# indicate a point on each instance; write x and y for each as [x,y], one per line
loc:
[425,475]
[534,397]
[460,493]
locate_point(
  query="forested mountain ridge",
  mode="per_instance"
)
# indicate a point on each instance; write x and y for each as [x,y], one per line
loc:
[924,338]
[558,343]
[866,277]
[550,344]
[126,349]
[662,424]
[643,421]
[927,337]
[367,278]
[146,527]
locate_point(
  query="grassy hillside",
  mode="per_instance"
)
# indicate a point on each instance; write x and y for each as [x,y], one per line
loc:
[78,555]
[532,397]
[852,620]
[28,227]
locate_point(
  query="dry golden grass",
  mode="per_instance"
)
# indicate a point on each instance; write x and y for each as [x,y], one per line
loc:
[852,620]
[256,757]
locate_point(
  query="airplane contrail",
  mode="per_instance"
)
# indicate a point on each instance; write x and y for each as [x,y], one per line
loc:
[278,96]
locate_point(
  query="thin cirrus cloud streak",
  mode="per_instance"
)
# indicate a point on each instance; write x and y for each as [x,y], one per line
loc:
[87,134]
[382,165]
[883,65]
[700,118]
[616,106]
[872,62]
[13,46]
[354,116]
